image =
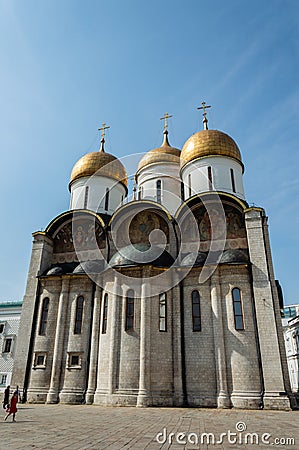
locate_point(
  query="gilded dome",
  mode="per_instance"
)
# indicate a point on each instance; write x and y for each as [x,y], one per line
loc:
[162,154]
[209,143]
[101,164]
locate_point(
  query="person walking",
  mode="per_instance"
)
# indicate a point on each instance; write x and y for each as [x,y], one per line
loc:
[12,409]
[6,397]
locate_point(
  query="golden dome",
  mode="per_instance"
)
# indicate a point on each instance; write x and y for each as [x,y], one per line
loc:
[209,143]
[100,164]
[162,154]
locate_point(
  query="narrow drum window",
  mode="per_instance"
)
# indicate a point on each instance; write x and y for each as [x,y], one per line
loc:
[159,184]
[210,178]
[182,191]
[238,310]
[196,318]
[189,185]
[79,315]
[130,310]
[105,314]
[44,317]
[107,199]
[162,312]
[86,197]
[232,177]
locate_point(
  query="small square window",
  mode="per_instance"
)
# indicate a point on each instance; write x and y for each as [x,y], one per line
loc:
[74,361]
[40,360]
[3,378]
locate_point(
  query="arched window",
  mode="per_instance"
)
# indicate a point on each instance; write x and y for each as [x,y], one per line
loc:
[86,196]
[238,309]
[107,199]
[232,177]
[79,315]
[130,310]
[189,185]
[44,317]
[159,184]
[162,312]
[210,178]
[196,316]
[105,314]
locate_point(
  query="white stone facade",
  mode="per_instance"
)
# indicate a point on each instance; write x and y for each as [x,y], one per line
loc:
[156,304]
[290,323]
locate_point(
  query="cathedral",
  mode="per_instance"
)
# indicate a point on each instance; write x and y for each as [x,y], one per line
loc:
[164,298]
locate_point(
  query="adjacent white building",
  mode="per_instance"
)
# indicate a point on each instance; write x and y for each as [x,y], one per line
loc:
[290,323]
[10,313]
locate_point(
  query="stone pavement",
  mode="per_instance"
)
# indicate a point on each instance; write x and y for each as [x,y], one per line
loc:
[85,427]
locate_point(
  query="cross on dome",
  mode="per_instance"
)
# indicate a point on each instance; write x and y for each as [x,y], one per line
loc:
[102,129]
[205,120]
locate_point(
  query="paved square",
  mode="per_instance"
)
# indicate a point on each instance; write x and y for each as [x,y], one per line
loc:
[97,428]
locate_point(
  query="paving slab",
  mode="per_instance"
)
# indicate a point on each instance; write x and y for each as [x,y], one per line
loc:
[90,427]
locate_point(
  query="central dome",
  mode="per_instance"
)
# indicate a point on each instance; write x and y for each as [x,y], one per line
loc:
[101,164]
[162,154]
[209,143]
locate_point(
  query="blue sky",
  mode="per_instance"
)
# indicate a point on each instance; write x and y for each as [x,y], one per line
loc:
[69,65]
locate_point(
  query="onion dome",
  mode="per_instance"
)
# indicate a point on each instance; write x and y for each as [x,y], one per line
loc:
[163,154]
[209,143]
[100,164]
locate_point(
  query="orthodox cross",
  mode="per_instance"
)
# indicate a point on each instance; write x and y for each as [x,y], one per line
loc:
[102,129]
[205,120]
[165,117]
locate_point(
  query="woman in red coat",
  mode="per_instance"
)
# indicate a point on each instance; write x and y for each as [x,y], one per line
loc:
[13,407]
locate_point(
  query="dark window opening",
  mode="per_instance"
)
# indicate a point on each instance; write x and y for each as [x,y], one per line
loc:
[7,345]
[162,312]
[86,197]
[79,315]
[238,310]
[105,314]
[40,360]
[189,185]
[196,316]
[210,178]
[75,360]
[1,327]
[107,199]
[159,184]
[44,317]
[130,310]
[232,176]
[182,191]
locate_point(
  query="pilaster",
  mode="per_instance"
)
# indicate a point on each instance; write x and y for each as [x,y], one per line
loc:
[53,392]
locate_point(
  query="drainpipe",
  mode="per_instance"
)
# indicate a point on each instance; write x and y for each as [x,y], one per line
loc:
[31,344]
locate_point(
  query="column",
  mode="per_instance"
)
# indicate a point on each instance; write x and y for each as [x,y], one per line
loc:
[143,394]
[53,392]
[114,338]
[94,351]
[223,400]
